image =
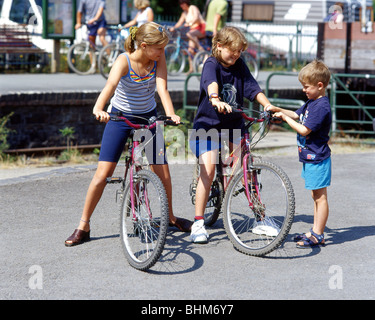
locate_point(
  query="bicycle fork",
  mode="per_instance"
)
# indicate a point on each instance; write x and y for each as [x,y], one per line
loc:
[252,188]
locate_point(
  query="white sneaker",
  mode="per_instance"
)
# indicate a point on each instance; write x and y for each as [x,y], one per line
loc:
[266,227]
[198,232]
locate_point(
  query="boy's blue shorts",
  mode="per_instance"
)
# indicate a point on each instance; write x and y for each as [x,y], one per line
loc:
[317,175]
[116,134]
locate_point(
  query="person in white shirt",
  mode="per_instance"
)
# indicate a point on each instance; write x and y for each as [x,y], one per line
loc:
[145,14]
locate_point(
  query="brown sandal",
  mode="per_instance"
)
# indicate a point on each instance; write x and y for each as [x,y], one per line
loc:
[78,237]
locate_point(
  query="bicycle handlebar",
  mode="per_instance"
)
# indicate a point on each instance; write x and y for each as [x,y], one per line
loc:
[265,115]
[152,121]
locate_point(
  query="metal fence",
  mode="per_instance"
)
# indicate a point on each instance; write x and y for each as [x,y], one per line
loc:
[285,45]
[352,102]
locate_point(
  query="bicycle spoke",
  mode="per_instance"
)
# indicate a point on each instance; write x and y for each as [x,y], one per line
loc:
[144,220]
[259,224]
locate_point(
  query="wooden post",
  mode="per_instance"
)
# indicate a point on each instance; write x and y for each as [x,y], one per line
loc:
[55,59]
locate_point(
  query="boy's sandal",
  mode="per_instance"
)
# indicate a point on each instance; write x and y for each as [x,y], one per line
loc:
[299,237]
[307,242]
[302,236]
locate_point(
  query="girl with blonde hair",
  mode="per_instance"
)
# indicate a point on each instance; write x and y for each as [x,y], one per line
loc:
[131,84]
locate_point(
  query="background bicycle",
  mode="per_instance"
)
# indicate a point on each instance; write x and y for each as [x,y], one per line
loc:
[144,214]
[111,51]
[176,53]
[255,196]
[82,55]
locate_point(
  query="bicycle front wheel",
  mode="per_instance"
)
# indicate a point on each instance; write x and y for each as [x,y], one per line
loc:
[175,60]
[144,220]
[251,63]
[259,222]
[107,58]
[81,58]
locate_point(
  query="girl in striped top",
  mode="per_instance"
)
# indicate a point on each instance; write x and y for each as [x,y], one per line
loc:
[132,82]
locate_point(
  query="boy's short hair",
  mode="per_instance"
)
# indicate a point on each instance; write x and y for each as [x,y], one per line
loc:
[230,37]
[314,72]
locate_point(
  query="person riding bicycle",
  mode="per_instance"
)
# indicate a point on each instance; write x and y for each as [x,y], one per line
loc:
[95,19]
[144,14]
[312,122]
[225,82]
[191,17]
[132,79]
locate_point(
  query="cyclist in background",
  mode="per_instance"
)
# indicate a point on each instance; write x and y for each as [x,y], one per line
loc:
[94,18]
[144,14]
[191,17]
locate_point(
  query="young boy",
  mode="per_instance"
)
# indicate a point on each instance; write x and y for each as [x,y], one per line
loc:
[312,139]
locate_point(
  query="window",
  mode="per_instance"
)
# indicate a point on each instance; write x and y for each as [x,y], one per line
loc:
[258,11]
[21,10]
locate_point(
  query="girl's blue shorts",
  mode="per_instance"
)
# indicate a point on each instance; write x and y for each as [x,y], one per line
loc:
[202,140]
[317,175]
[116,133]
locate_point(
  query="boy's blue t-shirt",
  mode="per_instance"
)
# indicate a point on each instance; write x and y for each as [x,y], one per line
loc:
[235,83]
[315,115]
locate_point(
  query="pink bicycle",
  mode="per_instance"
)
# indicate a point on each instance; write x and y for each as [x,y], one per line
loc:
[255,196]
[144,214]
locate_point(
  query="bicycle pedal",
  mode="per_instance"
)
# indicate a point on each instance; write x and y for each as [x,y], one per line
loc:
[114,180]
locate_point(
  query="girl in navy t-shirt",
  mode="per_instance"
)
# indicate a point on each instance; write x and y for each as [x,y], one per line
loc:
[225,82]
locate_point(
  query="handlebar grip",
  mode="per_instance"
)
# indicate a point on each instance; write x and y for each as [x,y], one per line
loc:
[172,123]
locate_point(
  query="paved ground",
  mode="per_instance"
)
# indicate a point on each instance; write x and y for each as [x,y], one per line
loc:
[40,207]
[38,212]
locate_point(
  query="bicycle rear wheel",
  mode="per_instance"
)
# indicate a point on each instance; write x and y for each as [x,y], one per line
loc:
[261,227]
[82,58]
[144,222]
[199,60]
[251,63]
[107,58]
[215,198]
[175,60]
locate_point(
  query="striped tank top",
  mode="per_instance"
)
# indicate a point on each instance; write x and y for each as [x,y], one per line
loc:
[135,94]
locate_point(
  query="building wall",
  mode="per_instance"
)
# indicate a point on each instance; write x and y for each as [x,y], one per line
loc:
[284,8]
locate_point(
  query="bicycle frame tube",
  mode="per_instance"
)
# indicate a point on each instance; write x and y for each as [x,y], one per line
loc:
[131,175]
[245,162]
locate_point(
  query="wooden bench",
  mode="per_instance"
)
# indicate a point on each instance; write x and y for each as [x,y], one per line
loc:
[16,49]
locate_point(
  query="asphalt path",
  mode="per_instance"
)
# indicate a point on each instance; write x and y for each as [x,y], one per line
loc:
[39,211]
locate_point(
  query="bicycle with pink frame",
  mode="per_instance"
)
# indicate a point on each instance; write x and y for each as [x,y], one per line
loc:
[255,196]
[144,213]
